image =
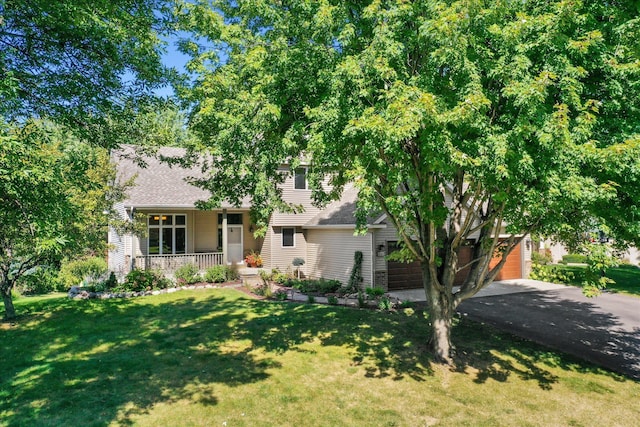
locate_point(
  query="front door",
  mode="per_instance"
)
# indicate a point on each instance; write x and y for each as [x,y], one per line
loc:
[234,243]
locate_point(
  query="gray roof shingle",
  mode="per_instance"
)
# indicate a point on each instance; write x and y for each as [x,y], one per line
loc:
[159,184]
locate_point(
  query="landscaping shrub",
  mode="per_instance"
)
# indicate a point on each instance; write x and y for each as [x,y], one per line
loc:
[41,281]
[144,280]
[332,300]
[263,289]
[322,286]
[541,259]
[574,259]
[280,295]
[374,292]
[89,270]
[550,273]
[281,278]
[188,273]
[385,304]
[220,274]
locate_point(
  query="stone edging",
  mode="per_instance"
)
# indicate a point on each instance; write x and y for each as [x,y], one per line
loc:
[76,292]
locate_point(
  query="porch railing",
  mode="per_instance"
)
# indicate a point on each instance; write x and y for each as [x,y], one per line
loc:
[170,263]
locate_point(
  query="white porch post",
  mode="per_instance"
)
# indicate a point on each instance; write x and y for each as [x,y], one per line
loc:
[225,238]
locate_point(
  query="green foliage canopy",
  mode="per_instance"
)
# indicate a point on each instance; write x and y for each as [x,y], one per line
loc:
[75,60]
[54,192]
[462,120]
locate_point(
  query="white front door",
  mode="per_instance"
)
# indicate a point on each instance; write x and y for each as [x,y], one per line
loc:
[234,244]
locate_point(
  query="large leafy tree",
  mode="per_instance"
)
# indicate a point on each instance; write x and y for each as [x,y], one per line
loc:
[55,197]
[78,60]
[467,122]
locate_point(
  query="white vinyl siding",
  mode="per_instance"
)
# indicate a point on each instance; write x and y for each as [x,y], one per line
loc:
[282,258]
[382,237]
[297,197]
[206,235]
[331,254]
[288,237]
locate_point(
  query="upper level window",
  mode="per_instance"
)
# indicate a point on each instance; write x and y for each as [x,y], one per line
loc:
[300,179]
[288,238]
[167,234]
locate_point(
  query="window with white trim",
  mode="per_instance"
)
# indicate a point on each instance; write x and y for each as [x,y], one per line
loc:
[167,234]
[300,179]
[288,237]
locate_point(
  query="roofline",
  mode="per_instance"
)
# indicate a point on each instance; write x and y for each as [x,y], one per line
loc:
[340,226]
[191,207]
[382,218]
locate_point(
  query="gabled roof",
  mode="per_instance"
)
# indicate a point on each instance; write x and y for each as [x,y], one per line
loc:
[341,213]
[158,184]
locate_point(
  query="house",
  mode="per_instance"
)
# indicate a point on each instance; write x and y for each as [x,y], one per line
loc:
[179,233]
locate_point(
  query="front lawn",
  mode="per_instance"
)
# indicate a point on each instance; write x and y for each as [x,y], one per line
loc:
[627,277]
[218,358]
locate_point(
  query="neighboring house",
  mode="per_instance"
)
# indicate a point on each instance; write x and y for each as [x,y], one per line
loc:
[180,233]
[558,250]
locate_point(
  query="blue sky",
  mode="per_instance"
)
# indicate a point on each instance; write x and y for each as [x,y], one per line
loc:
[172,58]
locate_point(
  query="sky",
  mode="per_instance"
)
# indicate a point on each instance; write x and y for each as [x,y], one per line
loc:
[172,58]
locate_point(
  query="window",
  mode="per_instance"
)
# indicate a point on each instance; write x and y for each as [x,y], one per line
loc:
[232,219]
[167,234]
[288,238]
[300,179]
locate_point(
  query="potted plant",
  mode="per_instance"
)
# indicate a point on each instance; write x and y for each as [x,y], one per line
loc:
[253,259]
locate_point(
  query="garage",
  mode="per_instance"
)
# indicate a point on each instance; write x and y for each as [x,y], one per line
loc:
[409,276]
[512,269]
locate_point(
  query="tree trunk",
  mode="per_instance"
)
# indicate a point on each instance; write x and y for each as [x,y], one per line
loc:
[440,304]
[9,309]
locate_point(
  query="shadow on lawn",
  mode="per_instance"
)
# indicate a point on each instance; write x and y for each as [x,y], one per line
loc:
[110,360]
[98,361]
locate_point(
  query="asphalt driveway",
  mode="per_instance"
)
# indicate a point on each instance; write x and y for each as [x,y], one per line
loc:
[604,330]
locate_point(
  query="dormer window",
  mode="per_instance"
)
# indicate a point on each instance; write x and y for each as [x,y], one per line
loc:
[300,179]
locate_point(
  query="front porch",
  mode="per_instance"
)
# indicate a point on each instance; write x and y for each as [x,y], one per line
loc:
[189,236]
[170,263]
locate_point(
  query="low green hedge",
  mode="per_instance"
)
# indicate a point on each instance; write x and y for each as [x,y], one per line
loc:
[574,259]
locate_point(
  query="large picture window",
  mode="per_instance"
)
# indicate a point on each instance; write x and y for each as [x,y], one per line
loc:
[167,234]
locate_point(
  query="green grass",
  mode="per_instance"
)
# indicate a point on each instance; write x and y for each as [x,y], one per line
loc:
[626,277]
[208,357]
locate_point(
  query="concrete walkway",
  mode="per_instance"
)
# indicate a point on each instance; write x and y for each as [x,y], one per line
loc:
[496,288]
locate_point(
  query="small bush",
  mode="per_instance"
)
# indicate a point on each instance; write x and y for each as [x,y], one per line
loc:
[550,273]
[41,281]
[280,295]
[220,274]
[332,300]
[375,292]
[385,304]
[263,289]
[311,299]
[88,270]
[541,259]
[574,259]
[361,300]
[322,286]
[143,280]
[188,273]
